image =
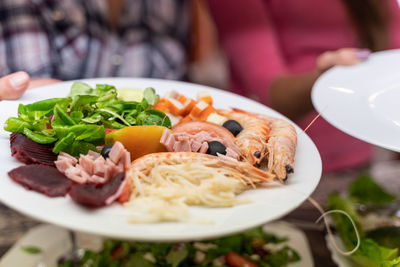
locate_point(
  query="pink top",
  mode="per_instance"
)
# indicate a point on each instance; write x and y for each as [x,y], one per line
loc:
[267,38]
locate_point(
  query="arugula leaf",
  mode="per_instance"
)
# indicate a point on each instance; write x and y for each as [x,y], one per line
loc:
[342,223]
[370,254]
[150,95]
[79,101]
[387,236]
[80,147]
[64,144]
[31,249]
[59,113]
[392,263]
[282,257]
[44,105]
[16,125]
[80,88]
[365,190]
[153,117]
[176,255]
[138,260]
[39,138]
[91,133]
[76,116]
[94,118]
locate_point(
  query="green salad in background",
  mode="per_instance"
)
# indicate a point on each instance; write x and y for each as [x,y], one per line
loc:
[77,123]
[253,247]
[378,247]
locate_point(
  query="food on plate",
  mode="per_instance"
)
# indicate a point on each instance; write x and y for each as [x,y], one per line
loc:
[98,194]
[252,140]
[95,167]
[375,248]
[163,184]
[156,155]
[43,179]
[75,124]
[203,137]
[281,146]
[250,248]
[30,152]
[139,140]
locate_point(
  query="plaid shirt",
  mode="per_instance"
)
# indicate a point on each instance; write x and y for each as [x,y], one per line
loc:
[72,39]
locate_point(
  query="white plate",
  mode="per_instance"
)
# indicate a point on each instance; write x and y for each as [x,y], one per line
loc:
[55,243]
[267,204]
[339,259]
[363,100]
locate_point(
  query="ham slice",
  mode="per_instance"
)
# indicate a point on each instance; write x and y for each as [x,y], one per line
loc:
[43,179]
[197,142]
[93,168]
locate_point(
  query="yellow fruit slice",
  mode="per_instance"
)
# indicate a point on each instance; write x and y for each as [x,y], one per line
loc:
[128,94]
[138,140]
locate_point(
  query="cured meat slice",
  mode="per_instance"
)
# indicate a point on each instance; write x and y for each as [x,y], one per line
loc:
[96,195]
[30,152]
[43,179]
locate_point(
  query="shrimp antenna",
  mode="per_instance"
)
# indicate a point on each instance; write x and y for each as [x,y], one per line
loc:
[315,118]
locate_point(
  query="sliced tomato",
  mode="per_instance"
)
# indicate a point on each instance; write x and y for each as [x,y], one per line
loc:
[235,260]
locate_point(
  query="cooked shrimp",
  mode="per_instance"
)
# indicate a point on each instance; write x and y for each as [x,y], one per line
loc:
[252,140]
[243,171]
[281,145]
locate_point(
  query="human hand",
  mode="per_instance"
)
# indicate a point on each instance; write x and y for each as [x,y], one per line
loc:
[343,57]
[14,85]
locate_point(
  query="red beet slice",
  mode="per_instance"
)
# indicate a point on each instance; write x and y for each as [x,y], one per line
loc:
[43,179]
[30,152]
[95,195]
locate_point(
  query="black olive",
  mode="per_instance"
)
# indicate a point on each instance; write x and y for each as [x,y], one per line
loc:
[215,147]
[233,126]
[257,154]
[106,150]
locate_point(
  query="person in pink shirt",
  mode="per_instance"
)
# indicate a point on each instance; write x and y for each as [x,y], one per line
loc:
[278,48]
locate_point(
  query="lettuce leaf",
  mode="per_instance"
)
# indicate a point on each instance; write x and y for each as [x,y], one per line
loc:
[365,190]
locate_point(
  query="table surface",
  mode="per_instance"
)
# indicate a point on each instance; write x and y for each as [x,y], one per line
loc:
[384,168]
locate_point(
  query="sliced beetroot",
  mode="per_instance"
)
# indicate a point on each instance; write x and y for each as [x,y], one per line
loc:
[95,195]
[30,152]
[43,179]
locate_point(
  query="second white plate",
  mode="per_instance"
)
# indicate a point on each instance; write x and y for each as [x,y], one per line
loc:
[363,100]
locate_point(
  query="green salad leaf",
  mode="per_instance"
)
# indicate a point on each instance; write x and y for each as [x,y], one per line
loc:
[150,95]
[365,190]
[142,254]
[392,263]
[31,249]
[370,253]
[76,124]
